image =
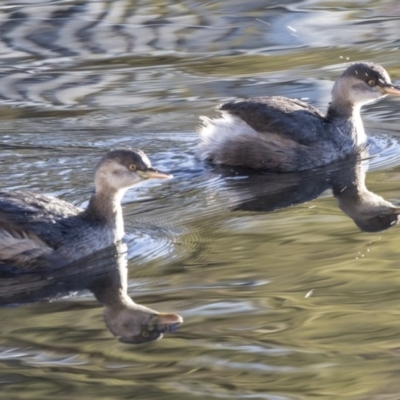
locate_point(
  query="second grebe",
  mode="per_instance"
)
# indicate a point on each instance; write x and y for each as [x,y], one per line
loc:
[286,135]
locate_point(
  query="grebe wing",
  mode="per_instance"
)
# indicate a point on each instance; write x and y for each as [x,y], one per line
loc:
[20,246]
[39,215]
[290,118]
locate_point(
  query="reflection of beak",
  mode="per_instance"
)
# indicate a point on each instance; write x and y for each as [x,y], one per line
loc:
[151,173]
[167,322]
[390,89]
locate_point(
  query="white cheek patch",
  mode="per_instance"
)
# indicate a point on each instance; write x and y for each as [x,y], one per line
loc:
[120,178]
[361,94]
[118,171]
[113,175]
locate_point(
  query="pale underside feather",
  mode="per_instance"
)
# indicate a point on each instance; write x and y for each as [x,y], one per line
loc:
[21,246]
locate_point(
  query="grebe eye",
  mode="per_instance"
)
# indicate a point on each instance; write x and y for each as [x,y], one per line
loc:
[145,334]
[371,82]
[132,167]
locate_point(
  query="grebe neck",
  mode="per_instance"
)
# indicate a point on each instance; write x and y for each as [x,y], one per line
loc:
[105,208]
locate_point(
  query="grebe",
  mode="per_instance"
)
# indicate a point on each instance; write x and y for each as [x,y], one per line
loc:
[286,135]
[38,231]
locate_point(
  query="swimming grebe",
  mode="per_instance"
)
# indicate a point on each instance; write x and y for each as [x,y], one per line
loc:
[286,135]
[37,231]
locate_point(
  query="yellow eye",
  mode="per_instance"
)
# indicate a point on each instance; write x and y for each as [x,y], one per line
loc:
[132,167]
[145,334]
[371,82]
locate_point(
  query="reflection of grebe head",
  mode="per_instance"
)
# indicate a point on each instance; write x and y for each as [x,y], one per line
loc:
[137,324]
[371,213]
[378,222]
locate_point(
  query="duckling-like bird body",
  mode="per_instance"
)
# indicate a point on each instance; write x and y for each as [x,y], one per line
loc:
[37,231]
[285,135]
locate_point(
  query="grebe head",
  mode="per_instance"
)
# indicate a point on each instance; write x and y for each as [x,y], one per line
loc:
[138,324]
[362,83]
[120,169]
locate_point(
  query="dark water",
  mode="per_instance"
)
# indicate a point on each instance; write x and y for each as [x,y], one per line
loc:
[279,303]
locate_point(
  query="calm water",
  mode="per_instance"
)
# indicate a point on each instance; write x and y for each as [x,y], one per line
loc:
[282,296]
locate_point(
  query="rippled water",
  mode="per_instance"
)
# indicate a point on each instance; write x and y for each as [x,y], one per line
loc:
[282,296]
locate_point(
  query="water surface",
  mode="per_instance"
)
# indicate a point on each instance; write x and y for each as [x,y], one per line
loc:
[291,301]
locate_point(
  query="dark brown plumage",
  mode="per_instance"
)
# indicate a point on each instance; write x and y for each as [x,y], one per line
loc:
[40,232]
[286,135]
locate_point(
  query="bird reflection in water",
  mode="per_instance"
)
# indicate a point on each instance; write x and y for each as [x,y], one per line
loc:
[252,191]
[105,274]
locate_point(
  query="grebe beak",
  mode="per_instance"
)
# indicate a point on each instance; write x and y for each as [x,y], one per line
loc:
[167,322]
[152,173]
[390,89]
